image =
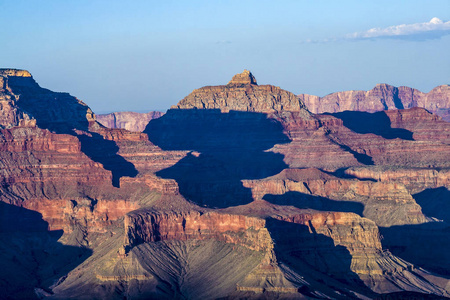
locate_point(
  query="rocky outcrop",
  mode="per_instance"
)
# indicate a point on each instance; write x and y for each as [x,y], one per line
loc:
[151,226]
[59,112]
[382,97]
[385,203]
[242,94]
[10,114]
[128,120]
[414,179]
[245,77]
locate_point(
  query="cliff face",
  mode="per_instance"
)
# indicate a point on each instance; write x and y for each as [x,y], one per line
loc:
[128,120]
[237,191]
[382,97]
[58,112]
[10,114]
[143,226]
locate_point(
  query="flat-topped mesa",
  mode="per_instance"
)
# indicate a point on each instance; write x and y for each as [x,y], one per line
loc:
[245,77]
[243,94]
[10,77]
[15,72]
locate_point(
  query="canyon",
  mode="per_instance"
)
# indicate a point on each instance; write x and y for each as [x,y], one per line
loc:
[239,191]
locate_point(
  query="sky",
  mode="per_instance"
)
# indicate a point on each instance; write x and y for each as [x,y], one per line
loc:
[147,55]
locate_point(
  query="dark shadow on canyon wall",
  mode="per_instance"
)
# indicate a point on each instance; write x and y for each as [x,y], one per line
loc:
[314,255]
[104,151]
[435,203]
[425,245]
[377,123]
[360,157]
[62,113]
[30,255]
[226,148]
[305,201]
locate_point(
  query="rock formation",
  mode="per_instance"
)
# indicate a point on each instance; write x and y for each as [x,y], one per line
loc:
[128,120]
[238,191]
[382,97]
[243,94]
[245,77]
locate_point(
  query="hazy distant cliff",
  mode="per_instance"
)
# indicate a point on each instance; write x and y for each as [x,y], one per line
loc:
[382,97]
[128,120]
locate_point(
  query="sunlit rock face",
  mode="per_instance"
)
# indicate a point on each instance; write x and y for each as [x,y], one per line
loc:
[243,94]
[238,191]
[382,97]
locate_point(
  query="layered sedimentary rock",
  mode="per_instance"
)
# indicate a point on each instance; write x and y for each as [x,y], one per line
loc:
[238,191]
[151,226]
[128,120]
[382,97]
[243,94]
[414,179]
[359,138]
[387,203]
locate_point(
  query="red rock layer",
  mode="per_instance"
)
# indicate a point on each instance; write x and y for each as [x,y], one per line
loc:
[48,173]
[396,150]
[414,179]
[413,138]
[136,148]
[151,226]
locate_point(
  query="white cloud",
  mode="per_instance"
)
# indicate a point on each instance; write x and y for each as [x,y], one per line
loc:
[435,28]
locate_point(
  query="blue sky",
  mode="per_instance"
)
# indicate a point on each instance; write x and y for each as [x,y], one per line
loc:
[148,55]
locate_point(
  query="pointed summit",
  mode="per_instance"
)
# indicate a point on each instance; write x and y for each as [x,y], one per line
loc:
[245,77]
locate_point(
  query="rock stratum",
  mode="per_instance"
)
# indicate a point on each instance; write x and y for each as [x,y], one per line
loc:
[237,192]
[382,97]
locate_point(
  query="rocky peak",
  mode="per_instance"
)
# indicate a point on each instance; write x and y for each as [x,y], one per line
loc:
[16,77]
[245,77]
[14,72]
[242,93]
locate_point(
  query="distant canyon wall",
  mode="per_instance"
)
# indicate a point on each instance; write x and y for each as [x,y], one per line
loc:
[382,97]
[128,120]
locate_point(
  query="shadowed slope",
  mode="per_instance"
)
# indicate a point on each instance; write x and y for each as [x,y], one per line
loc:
[377,123]
[31,259]
[435,203]
[305,201]
[231,145]
[316,257]
[425,244]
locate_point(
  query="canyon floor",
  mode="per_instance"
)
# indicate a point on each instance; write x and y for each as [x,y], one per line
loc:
[239,191]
